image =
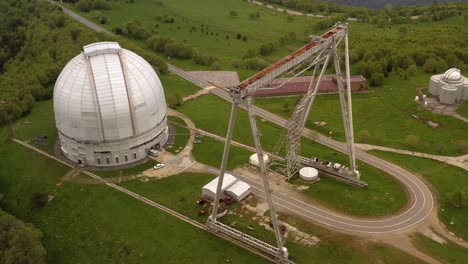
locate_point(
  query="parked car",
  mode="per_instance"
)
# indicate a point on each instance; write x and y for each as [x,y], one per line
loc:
[153,152]
[158,166]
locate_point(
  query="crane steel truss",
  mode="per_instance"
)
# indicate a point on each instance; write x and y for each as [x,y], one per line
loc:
[325,45]
[296,123]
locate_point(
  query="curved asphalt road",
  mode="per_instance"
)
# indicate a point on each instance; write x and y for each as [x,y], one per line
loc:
[421,200]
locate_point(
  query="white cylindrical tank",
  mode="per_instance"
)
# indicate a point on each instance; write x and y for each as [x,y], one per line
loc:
[308,174]
[253,160]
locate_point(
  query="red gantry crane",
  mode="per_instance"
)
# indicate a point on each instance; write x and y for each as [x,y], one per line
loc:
[319,51]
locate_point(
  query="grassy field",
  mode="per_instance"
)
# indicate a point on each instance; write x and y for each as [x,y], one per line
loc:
[40,120]
[384,195]
[444,178]
[220,29]
[387,114]
[95,224]
[181,191]
[182,135]
[463,110]
[448,253]
[210,152]
[135,170]
[175,86]
[393,102]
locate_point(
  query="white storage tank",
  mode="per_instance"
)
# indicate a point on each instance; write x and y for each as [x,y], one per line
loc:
[308,174]
[253,160]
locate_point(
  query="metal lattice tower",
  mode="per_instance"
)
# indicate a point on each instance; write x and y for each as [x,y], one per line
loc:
[296,123]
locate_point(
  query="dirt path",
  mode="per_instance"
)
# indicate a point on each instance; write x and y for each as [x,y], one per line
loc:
[460,161]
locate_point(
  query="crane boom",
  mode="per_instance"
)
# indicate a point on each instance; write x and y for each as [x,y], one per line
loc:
[263,77]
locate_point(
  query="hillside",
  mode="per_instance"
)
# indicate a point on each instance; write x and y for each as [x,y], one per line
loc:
[388,3]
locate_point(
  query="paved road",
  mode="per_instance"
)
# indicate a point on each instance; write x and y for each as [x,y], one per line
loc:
[420,198]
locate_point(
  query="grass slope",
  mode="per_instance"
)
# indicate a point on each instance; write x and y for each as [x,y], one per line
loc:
[463,110]
[219,37]
[384,195]
[386,113]
[95,224]
[448,253]
[182,135]
[181,191]
[445,178]
[210,152]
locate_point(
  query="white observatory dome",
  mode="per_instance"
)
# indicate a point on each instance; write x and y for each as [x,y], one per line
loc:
[452,76]
[111,100]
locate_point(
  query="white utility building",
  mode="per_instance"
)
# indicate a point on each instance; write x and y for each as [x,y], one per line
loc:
[450,87]
[253,160]
[238,191]
[210,188]
[109,107]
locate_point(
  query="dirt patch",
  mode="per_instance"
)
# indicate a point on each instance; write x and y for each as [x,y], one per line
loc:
[292,232]
[435,237]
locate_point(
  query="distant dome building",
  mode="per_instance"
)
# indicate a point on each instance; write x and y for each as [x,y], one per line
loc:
[109,107]
[449,87]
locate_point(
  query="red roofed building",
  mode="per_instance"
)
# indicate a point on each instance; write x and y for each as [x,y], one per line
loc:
[300,85]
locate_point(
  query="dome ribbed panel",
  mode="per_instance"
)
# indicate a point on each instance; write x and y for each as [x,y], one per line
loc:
[112,96]
[72,96]
[147,92]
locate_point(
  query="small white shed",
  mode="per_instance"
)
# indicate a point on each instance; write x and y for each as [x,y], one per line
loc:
[238,190]
[253,160]
[210,188]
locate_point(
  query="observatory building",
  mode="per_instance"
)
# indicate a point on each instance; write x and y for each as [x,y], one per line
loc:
[450,87]
[109,107]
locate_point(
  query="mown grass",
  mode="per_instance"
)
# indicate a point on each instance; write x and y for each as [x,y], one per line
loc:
[463,110]
[384,195]
[210,152]
[40,121]
[134,170]
[217,24]
[180,192]
[448,253]
[444,178]
[181,134]
[174,87]
[387,114]
[95,224]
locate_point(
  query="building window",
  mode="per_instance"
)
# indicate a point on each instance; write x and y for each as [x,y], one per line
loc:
[126,158]
[98,161]
[134,156]
[108,161]
[116,159]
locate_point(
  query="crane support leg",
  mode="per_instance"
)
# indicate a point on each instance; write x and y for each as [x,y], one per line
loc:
[227,145]
[282,252]
[345,106]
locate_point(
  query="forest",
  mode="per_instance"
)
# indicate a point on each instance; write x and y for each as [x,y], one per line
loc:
[36,41]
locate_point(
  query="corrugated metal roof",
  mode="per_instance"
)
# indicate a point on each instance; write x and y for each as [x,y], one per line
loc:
[108,93]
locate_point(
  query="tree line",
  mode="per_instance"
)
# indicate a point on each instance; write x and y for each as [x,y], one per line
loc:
[36,41]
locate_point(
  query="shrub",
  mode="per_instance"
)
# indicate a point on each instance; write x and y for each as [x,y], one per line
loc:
[364,135]
[255,64]
[456,198]
[412,141]
[39,200]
